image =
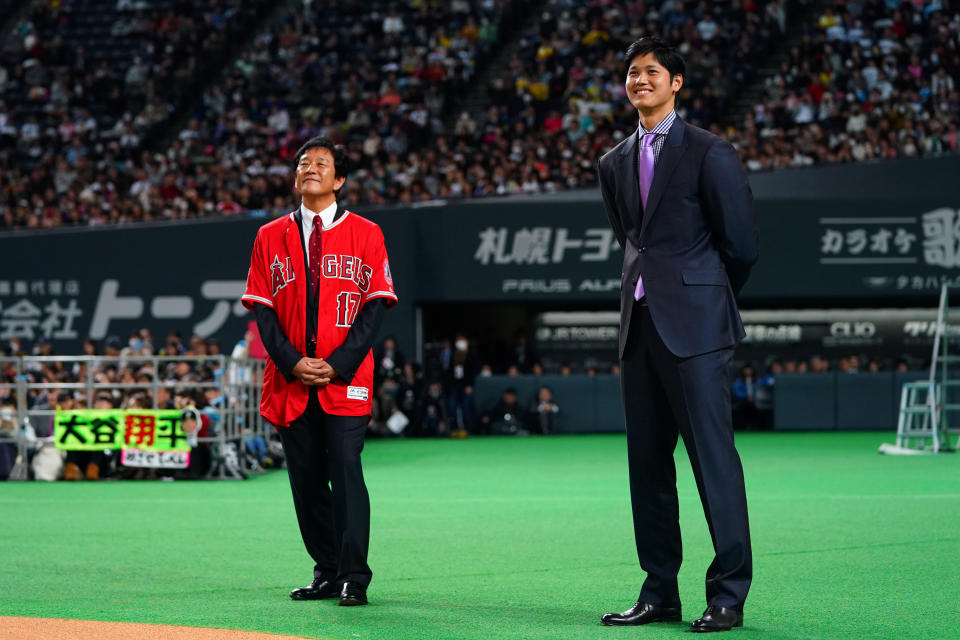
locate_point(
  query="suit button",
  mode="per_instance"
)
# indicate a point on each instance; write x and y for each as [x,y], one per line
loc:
[642,249]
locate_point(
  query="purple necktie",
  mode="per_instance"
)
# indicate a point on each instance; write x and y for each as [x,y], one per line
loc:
[645,164]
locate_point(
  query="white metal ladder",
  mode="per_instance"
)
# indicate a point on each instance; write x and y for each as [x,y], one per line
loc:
[922,423]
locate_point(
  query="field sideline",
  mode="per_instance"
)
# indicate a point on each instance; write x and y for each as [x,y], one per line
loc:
[501,538]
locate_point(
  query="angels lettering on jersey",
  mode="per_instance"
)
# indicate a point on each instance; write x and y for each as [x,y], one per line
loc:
[347,268]
[281,274]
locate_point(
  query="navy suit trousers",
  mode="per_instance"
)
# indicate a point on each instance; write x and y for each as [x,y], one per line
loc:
[665,396]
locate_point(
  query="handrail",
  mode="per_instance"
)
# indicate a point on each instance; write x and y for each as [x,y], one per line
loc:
[237,381]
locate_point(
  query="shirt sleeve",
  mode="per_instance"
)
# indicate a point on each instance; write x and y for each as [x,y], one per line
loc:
[258,280]
[381,280]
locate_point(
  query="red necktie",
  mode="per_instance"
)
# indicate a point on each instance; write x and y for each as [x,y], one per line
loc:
[316,251]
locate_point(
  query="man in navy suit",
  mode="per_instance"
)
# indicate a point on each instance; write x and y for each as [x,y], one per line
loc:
[679,202]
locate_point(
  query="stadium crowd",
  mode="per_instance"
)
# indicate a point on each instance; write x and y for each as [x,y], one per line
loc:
[386,78]
[870,79]
[83,88]
[565,84]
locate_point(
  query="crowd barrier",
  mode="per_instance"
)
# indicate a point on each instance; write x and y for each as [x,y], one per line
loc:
[235,418]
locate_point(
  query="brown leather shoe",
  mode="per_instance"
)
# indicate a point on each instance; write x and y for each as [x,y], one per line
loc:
[93,471]
[641,613]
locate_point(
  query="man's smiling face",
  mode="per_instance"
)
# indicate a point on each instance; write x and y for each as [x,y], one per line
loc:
[316,173]
[649,85]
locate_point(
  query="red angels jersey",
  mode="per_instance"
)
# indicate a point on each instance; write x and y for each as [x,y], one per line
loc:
[354,270]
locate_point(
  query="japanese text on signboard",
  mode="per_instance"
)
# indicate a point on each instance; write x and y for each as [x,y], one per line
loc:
[543,245]
[96,430]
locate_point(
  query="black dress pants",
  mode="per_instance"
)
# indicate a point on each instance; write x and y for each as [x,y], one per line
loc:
[664,396]
[329,494]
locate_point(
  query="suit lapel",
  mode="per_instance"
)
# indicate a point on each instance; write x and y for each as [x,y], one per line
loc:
[627,175]
[673,149]
[294,241]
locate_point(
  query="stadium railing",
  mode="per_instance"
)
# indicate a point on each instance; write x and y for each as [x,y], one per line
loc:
[234,418]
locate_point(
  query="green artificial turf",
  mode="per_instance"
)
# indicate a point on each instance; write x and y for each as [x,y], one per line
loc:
[502,538]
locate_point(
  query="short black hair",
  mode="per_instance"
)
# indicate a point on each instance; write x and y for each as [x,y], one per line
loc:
[665,54]
[105,397]
[341,161]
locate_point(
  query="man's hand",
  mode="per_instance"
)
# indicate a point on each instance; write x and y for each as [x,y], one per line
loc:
[313,372]
[327,371]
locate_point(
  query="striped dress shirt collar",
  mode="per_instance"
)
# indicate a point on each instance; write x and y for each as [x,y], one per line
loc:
[662,128]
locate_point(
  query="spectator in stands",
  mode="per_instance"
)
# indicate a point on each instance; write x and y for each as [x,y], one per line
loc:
[543,411]
[506,417]
[200,453]
[91,465]
[409,392]
[849,364]
[388,361]
[432,413]
[522,351]
[818,364]
[8,435]
[764,396]
[745,414]
[382,410]
[164,399]
[174,345]
[459,383]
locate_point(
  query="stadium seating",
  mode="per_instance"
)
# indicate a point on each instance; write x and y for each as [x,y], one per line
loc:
[86,85]
[868,81]
[128,110]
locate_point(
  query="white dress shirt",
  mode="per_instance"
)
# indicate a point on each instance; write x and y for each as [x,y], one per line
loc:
[307,216]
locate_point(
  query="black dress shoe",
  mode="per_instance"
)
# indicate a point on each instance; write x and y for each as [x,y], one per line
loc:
[718,619]
[319,589]
[641,613]
[352,594]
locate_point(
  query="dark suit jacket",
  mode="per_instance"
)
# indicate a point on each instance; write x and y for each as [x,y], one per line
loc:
[695,243]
